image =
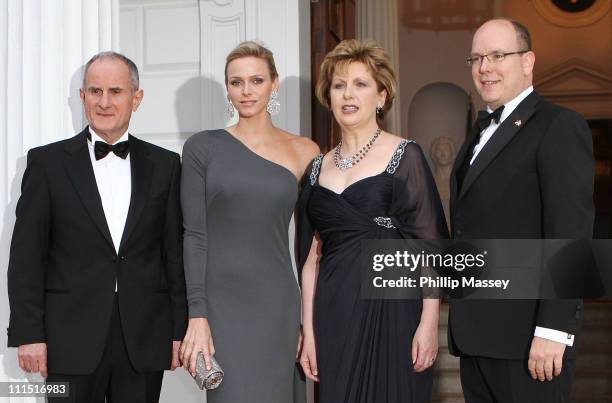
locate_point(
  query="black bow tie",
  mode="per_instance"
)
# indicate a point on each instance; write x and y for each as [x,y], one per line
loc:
[484,118]
[101,149]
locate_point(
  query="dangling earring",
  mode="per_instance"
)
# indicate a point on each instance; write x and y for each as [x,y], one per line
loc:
[379,111]
[273,107]
[229,107]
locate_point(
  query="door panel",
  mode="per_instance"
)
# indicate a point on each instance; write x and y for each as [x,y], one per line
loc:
[331,22]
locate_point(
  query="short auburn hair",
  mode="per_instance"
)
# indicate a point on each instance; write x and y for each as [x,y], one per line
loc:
[349,51]
[252,49]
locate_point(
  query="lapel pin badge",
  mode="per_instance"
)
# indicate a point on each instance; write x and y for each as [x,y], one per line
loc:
[518,123]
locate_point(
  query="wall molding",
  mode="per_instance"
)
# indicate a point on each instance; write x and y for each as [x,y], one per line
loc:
[584,88]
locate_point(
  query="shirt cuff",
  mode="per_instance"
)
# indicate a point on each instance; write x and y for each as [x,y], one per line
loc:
[554,335]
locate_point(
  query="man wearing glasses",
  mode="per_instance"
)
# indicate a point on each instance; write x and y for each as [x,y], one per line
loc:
[525,171]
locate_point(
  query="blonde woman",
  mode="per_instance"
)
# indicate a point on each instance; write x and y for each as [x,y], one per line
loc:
[238,191]
[373,185]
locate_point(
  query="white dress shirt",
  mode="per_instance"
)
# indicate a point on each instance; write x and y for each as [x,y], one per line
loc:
[487,133]
[485,136]
[114,181]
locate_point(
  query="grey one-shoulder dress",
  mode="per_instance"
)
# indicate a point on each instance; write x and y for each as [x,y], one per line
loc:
[236,212]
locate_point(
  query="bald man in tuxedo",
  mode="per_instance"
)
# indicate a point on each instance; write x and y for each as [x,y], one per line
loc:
[525,171]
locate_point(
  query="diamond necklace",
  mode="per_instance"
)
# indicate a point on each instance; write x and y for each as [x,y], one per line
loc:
[345,163]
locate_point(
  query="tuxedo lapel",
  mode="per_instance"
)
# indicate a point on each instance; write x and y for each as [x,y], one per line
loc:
[142,172]
[502,136]
[461,155]
[459,161]
[80,171]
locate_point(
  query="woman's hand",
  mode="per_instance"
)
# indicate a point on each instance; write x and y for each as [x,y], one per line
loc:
[198,338]
[425,345]
[298,351]
[308,358]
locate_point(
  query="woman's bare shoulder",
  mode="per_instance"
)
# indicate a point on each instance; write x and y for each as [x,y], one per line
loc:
[304,147]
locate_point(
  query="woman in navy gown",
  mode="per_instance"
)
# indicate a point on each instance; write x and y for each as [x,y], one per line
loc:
[373,185]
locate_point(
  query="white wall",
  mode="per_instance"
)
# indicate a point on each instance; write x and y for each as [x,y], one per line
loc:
[180,48]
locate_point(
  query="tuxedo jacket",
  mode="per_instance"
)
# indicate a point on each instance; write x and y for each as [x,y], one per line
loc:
[63,264]
[532,180]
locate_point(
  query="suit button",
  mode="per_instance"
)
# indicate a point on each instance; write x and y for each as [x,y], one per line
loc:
[123,258]
[458,232]
[114,259]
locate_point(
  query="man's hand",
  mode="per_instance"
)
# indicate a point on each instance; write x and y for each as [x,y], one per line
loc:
[545,359]
[176,346]
[33,358]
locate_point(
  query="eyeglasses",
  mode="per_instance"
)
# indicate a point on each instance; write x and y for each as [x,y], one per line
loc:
[493,57]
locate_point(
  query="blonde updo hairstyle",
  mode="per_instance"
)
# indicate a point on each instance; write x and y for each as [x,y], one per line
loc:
[368,52]
[252,49]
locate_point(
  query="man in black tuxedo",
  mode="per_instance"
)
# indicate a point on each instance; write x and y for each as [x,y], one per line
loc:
[95,278]
[525,171]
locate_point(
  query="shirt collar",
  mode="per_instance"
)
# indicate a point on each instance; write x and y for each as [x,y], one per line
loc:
[95,137]
[511,105]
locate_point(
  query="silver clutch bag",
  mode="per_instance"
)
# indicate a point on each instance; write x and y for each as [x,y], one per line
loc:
[208,379]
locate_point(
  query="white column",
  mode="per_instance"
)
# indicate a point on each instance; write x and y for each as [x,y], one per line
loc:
[43,46]
[377,19]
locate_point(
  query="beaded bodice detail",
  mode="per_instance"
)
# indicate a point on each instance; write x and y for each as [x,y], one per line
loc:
[390,169]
